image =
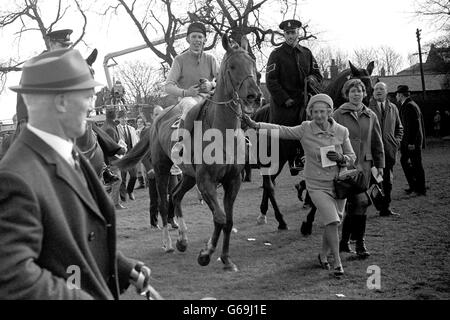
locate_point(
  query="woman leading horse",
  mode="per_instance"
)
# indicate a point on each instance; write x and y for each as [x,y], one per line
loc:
[235,94]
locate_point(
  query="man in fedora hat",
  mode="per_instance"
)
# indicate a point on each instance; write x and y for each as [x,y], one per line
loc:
[292,74]
[413,141]
[57,223]
[58,39]
[191,76]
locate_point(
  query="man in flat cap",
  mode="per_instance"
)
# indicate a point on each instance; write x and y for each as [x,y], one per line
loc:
[292,74]
[413,141]
[191,75]
[57,224]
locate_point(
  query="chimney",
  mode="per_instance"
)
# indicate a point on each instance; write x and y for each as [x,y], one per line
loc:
[333,69]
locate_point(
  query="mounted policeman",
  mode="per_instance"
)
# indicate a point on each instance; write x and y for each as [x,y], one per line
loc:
[292,76]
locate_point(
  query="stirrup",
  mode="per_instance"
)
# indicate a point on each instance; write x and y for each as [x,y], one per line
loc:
[176,124]
[177,150]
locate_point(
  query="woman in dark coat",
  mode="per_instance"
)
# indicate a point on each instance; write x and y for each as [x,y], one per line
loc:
[366,140]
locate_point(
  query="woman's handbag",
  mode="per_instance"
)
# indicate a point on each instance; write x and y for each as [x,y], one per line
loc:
[352,182]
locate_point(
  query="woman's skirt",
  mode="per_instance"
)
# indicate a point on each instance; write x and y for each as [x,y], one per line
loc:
[329,209]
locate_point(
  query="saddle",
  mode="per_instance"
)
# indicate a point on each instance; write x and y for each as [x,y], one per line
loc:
[192,115]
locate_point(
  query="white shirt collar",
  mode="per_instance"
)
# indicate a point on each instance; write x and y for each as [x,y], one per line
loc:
[61,146]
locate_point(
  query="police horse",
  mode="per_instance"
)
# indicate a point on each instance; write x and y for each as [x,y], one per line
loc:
[334,90]
[234,95]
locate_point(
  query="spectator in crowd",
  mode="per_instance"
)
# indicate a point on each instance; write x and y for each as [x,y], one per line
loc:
[110,128]
[141,173]
[129,137]
[412,143]
[321,131]
[365,136]
[55,217]
[392,133]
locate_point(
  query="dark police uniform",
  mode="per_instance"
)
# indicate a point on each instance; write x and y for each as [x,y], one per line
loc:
[286,73]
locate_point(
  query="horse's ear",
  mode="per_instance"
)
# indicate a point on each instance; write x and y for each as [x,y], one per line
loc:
[244,43]
[226,42]
[353,69]
[370,67]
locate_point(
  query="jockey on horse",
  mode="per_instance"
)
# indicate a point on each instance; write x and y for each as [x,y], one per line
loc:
[191,77]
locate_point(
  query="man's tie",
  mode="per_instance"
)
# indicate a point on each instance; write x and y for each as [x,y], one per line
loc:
[77,166]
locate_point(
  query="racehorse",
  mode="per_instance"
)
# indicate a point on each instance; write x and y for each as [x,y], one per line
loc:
[235,93]
[90,148]
[334,90]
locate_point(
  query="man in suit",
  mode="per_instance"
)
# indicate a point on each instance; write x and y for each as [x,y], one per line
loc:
[291,74]
[128,135]
[110,128]
[392,132]
[57,224]
[412,143]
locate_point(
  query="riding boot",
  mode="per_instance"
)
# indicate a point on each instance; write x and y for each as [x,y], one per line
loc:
[141,183]
[360,230]
[347,224]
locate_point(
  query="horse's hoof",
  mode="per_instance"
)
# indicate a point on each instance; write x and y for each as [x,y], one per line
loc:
[203,259]
[282,226]
[262,219]
[181,245]
[306,229]
[230,266]
[168,250]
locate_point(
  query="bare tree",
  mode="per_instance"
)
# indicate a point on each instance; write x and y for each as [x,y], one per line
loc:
[388,58]
[363,56]
[143,83]
[168,17]
[324,55]
[38,17]
[436,11]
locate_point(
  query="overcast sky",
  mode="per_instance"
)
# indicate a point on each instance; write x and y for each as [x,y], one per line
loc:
[343,24]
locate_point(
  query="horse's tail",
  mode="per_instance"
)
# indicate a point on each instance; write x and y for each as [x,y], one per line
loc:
[135,155]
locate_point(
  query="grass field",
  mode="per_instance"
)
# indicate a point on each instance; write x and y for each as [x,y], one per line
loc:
[412,251]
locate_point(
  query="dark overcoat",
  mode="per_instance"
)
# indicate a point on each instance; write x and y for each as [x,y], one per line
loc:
[52,224]
[391,129]
[287,70]
[413,124]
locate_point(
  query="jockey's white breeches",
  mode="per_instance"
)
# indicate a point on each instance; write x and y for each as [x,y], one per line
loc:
[188,103]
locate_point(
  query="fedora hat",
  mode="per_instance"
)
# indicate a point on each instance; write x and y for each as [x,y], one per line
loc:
[402,89]
[55,72]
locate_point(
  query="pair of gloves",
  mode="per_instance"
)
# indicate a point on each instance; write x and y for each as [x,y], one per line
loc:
[140,277]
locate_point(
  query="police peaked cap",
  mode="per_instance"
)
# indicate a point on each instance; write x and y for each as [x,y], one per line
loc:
[290,25]
[60,35]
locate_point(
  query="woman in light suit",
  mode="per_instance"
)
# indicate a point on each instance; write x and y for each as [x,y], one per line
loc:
[322,131]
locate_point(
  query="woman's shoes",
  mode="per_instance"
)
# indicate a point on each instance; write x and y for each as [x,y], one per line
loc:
[338,271]
[323,264]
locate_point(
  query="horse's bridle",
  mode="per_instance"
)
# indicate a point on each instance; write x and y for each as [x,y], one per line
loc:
[236,99]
